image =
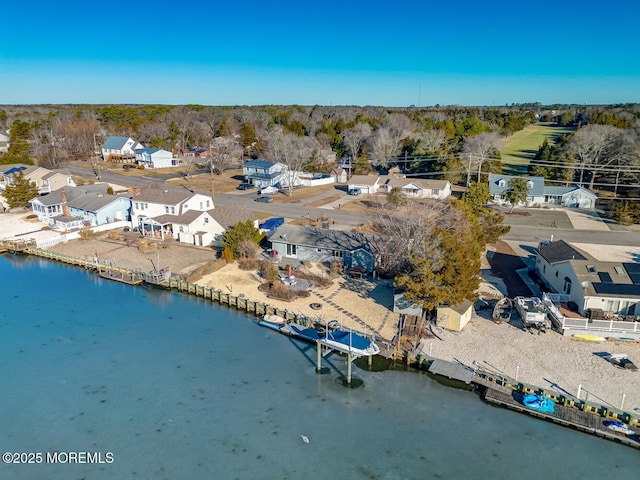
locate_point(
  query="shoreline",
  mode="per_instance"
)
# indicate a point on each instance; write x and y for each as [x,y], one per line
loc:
[550,361]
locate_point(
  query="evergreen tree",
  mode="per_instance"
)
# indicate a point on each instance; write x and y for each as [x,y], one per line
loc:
[518,191]
[18,151]
[20,191]
[239,233]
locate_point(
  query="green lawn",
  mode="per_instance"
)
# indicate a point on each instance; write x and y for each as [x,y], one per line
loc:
[522,146]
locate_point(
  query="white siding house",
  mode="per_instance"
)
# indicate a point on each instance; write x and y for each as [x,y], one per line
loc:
[161,213]
[155,158]
[610,288]
[116,149]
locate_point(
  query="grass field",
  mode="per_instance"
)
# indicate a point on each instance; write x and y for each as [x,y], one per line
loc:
[522,146]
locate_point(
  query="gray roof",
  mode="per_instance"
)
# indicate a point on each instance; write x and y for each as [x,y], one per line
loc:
[560,191]
[89,198]
[74,193]
[364,180]
[560,251]
[323,238]
[259,164]
[164,197]
[228,215]
[536,190]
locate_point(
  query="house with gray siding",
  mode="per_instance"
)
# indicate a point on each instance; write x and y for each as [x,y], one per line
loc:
[354,250]
[69,208]
[263,173]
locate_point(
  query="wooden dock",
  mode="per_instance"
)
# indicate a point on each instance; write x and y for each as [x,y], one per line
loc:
[565,416]
[121,277]
[453,371]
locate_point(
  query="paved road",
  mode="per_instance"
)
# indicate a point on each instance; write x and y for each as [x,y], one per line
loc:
[527,225]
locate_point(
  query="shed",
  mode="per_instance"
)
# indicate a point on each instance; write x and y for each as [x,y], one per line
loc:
[455,317]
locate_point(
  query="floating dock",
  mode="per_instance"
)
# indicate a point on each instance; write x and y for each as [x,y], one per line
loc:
[121,277]
[565,416]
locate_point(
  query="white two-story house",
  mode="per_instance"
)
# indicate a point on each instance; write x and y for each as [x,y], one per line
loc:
[163,212]
[120,149]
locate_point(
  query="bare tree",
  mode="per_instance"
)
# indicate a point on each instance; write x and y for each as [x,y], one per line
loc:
[600,146]
[355,137]
[387,139]
[430,141]
[478,149]
[291,150]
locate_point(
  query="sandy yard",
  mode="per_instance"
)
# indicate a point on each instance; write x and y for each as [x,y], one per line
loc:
[547,360]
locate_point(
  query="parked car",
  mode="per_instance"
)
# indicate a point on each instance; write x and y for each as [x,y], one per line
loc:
[128,165]
[246,186]
[354,191]
[264,199]
[268,190]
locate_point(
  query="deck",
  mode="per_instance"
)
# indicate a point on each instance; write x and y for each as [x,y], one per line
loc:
[565,416]
[128,279]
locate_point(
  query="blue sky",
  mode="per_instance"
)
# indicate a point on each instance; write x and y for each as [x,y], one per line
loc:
[328,53]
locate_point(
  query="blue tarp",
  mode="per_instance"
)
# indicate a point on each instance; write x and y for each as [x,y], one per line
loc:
[14,170]
[271,223]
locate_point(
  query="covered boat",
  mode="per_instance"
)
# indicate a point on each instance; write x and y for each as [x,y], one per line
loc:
[340,340]
[618,427]
[538,402]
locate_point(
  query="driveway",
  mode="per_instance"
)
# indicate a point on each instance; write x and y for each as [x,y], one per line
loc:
[586,220]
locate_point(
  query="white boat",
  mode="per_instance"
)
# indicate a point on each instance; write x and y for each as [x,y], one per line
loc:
[274,322]
[532,312]
[340,340]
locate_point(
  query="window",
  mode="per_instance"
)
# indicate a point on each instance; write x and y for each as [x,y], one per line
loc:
[207,203]
[166,209]
[502,183]
[567,285]
[591,269]
[336,253]
[206,219]
[529,185]
[318,250]
[619,270]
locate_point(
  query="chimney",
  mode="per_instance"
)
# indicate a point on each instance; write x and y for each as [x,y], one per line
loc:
[135,190]
[65,208]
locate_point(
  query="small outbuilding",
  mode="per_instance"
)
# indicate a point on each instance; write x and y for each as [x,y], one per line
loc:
[455,317]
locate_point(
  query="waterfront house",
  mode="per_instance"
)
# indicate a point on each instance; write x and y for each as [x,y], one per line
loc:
[155,158]
[539,194]
[609,289]
[120,149]
[155,211]
[353,250]
[71,208]
[262,173]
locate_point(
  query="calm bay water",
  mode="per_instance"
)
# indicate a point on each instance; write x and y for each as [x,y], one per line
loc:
[178,388]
